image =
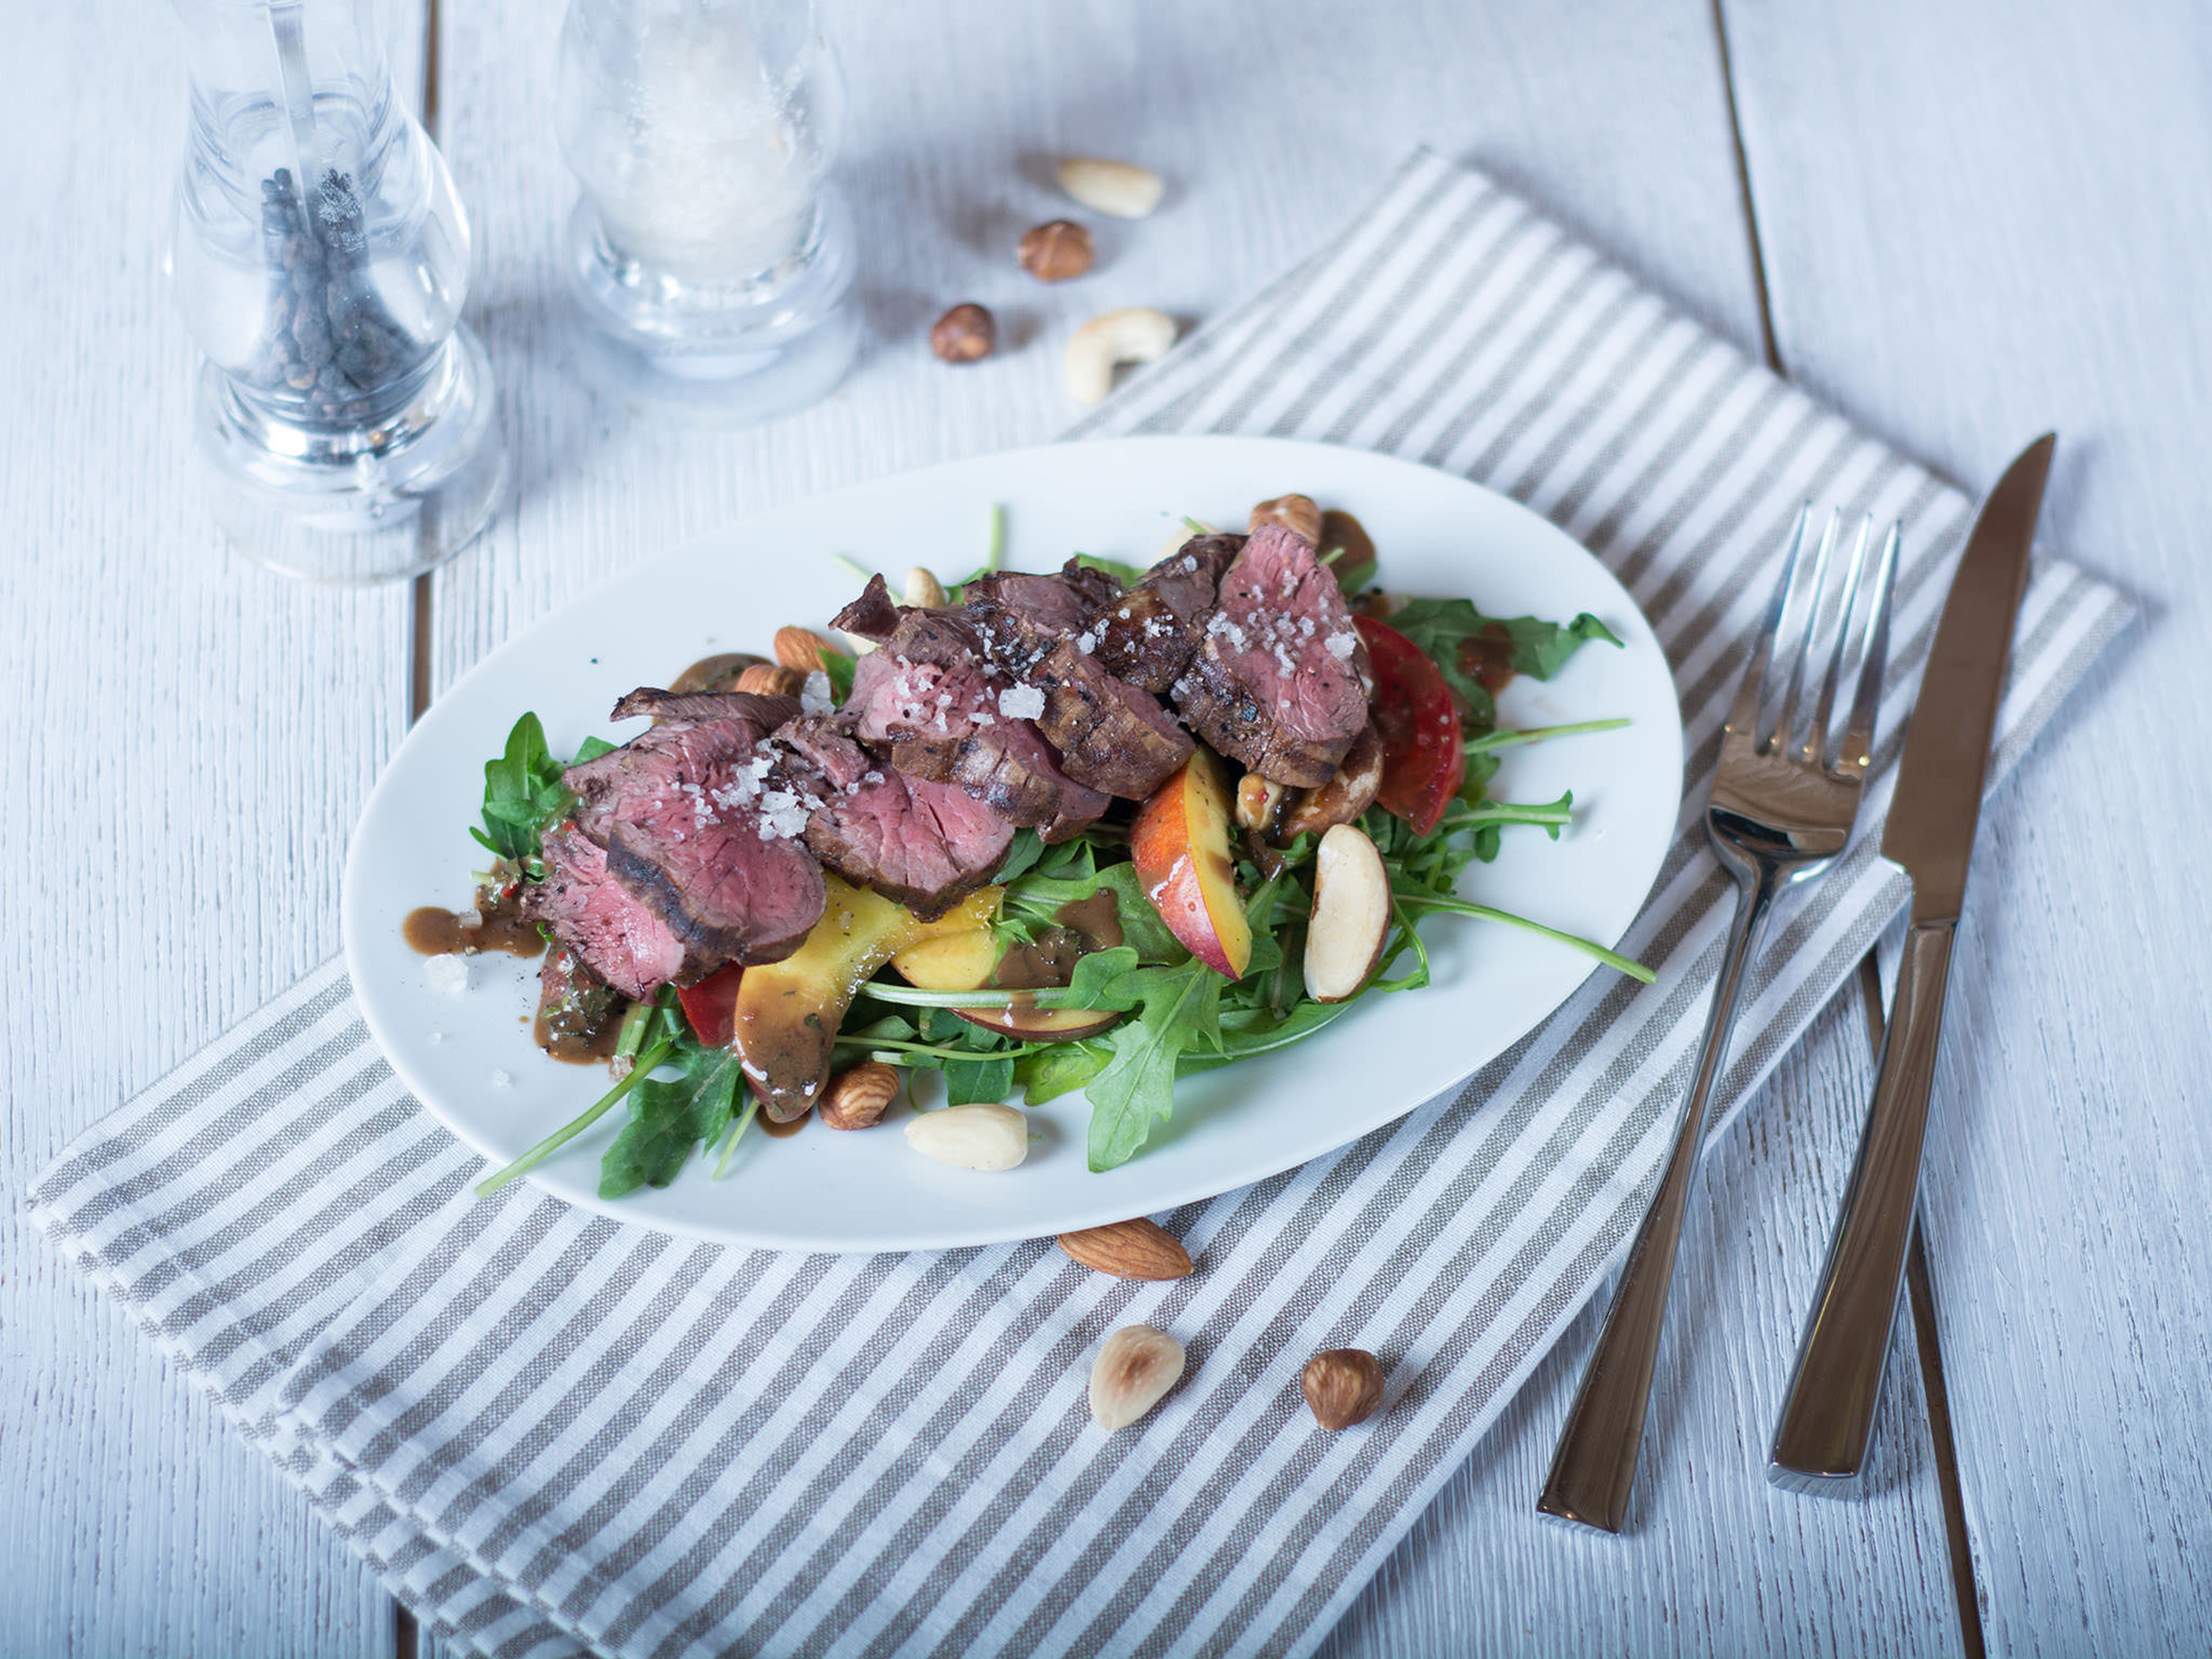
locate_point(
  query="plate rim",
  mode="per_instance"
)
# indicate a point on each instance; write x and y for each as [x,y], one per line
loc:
[957,1229]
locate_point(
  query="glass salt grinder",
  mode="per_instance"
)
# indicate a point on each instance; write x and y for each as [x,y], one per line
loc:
[711,264]
[320,256]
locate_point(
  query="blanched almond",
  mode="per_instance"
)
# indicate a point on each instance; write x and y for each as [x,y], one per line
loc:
[1135,1368]
[1120,188]
[1350,914]
[978,1137]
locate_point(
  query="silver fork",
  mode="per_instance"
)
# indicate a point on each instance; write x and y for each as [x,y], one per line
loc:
[1783,798]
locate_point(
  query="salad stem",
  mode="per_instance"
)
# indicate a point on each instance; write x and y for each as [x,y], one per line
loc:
[890,1049]
[906,996]
[738,1128]
[1508,812]
[1503,740]
[576,1126]
[1628,965]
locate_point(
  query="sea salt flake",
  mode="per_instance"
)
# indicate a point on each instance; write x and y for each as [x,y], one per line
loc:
[814,696]
[1341,646]
[1021,703]
[447,974]
[502,1079]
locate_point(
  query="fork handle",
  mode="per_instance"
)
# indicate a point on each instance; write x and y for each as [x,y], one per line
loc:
[1594,1468]
[1827,1425]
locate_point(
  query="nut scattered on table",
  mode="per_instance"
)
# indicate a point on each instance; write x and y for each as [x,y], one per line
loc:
[1134,334]
[797,647]
[858,1096]
[1120,188]
[1056,251]
[1129,1250]
[1299,511]
[978,1137]
[770,679]
[1343,1386]
[1135,1368]
[965,334]
[923,591]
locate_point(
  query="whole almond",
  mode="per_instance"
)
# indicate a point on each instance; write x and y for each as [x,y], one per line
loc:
[978,1137]
[1056,251]
[1298,512]
[858,1096]
[1129,1250]
[1135,1367]
[770,679]
[1343,1386]
[795,647]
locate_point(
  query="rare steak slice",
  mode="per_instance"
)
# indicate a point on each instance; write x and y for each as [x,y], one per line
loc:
[1020,616]
[948,717]
[618,938]
[924,845]
[1148,636]
[1110,735]
[1280,678]
[695,830]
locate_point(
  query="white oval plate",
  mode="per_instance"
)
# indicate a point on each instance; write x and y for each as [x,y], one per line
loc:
[468,1057]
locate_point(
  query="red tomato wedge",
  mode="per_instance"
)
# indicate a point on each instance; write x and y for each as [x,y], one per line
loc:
[1423,754]
[711,1005]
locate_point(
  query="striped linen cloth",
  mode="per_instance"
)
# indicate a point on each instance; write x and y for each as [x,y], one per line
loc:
[548,1432]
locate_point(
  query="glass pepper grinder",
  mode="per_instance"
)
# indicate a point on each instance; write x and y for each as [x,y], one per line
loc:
[710,261]
[320,258]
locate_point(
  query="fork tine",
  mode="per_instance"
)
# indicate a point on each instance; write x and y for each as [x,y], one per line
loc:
[1743,719]
[1785,718]
[1816,740]
[1858,736]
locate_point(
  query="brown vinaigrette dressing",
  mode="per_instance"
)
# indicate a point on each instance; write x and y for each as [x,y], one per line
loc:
[1488,658]
[594,1045]
[436,933]
[775,1131]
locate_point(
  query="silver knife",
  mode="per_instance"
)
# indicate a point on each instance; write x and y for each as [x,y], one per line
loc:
[1827,1416]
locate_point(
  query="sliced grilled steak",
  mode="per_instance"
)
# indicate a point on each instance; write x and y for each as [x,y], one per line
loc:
[1110,735]
[926,845]
[873,615]
[694,832]
[1280,678]
[949,717]
[1149,634]
[617,938]
[1021,616]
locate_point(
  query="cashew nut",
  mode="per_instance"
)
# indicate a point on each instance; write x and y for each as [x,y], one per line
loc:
[1134,334]
[1120,188]
[923,590]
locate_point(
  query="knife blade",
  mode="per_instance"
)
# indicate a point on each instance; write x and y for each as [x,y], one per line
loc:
[1826,1424]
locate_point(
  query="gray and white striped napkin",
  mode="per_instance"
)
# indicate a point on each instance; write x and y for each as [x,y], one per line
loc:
[549,1430]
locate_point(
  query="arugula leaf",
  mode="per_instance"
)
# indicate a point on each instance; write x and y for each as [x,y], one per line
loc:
[1127,575]
[523,793]
[668,1118]
[1179,1006]
[1540,648]
[1034,901]
[1060,1069]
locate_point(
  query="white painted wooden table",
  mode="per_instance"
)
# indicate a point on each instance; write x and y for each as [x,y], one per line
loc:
[1960,221]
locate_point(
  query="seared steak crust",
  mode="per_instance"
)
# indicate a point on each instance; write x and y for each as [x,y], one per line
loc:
[1149,634]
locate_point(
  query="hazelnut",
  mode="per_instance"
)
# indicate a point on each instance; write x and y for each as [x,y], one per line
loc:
[965,334]
[1343,1386]
[1055,252]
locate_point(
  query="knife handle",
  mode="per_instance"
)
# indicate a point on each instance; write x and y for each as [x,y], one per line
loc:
[1826,1424]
